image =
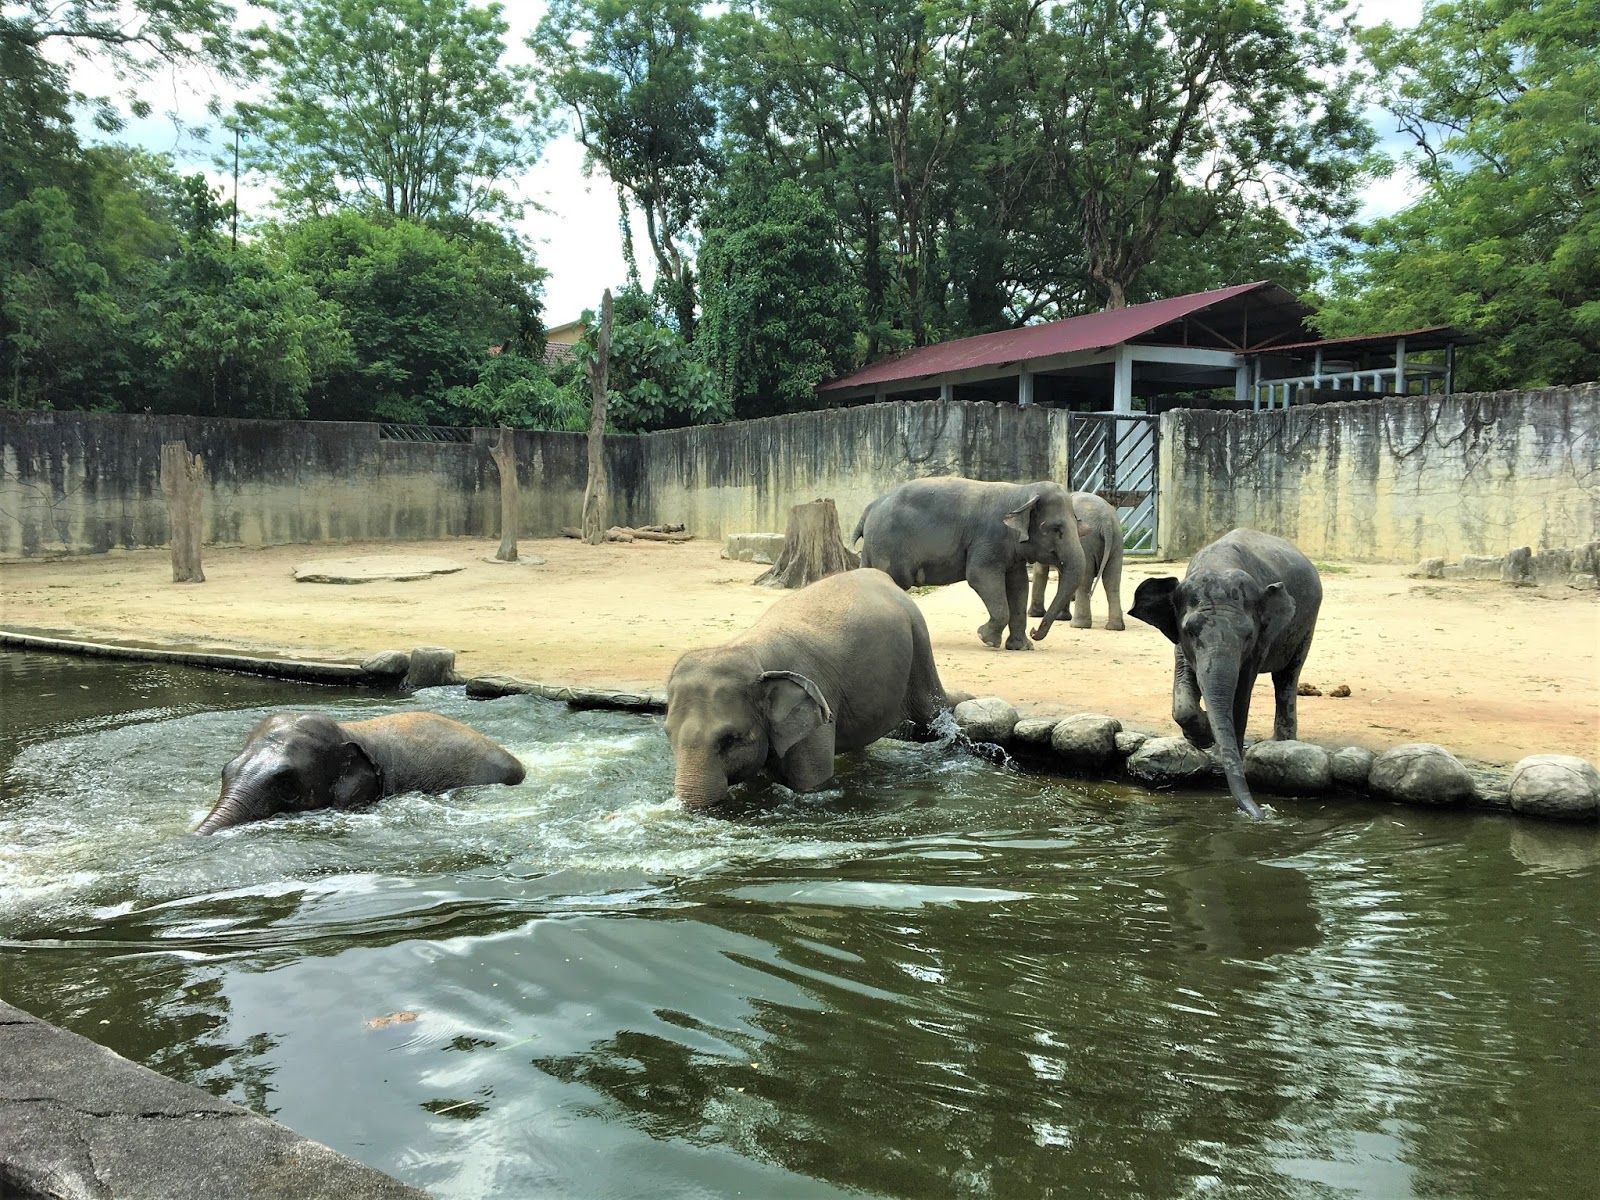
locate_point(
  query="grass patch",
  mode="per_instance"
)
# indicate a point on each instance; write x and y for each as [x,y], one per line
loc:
[927,590]
[1333,569]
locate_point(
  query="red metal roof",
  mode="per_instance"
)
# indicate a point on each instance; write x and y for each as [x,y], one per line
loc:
[1089,332]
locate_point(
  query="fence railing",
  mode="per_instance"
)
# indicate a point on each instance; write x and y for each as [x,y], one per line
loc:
[390,432]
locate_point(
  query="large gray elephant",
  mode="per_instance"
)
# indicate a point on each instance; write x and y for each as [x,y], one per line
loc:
[294,761]
[1100,532]
[938,531]
[1247,606]
[829,669]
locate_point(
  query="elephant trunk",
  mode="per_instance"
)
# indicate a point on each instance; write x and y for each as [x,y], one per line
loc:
[234,808]
[1070,569]
[1219,686]
[697,785]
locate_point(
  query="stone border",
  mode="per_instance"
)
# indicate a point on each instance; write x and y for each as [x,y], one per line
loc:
[303,670]
[77,1119]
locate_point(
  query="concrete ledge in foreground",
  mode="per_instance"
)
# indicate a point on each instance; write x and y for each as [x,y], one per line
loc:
[78,1121]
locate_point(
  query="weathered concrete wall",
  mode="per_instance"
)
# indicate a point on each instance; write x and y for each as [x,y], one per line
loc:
[84,483]
[745,477]
[1390,480]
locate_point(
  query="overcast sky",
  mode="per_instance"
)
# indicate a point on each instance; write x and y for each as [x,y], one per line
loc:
[576,238]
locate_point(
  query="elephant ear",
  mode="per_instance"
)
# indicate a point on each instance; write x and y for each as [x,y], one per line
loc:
[795,708]
[359,780]
[1277,610]
[1155,603]
[1017,518]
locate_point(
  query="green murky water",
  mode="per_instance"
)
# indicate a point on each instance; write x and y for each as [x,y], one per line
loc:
[942,980]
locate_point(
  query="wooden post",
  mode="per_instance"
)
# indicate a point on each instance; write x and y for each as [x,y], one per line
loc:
[504,453]
[594,496]
[183,483]
[813,547]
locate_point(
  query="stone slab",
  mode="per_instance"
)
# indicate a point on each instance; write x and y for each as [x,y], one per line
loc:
[77,1119]
[376,568]
[753,547]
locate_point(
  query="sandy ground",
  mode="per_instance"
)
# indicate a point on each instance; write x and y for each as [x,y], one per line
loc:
[1491,671]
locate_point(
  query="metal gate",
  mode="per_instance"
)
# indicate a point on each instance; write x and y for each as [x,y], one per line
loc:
[1117,456]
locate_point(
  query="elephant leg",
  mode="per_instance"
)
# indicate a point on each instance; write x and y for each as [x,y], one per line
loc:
[991,588]
[1017,606]
[1041,581]
[1286,691]
[1111,578]
[925,694]
[1081,616]
[1186,702]
[809,764]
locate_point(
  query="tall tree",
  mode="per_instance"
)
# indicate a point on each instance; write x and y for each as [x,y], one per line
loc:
[782,312]
[631,73]
[1501,98]
[400,105]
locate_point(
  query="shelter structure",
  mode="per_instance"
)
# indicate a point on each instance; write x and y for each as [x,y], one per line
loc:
[1252,339]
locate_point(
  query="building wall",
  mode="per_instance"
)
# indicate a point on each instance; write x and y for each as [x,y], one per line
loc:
[1397,479]
[1392,480]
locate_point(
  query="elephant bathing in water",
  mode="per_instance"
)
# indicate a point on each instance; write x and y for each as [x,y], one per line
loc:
[1100,532]
[1247,606]
[830,669]
[292,762]
[937,531]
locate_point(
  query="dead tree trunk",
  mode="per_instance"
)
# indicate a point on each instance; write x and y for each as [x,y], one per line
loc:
[183,482]
[813,547]
[504,453]
[595,497]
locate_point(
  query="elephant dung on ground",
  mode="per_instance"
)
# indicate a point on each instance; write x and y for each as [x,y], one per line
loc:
[826,670]
[1100,532]
[943,530]
[1247,606]
[295,761]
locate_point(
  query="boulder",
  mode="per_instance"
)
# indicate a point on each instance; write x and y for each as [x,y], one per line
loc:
[1421,773]
[1518,566]
[986,719]
[1350,766]
[1035,730]
[1130,740]
[1430,568]
[1556,785]
[431,666]
[1288,768]
[753,547]
[387,664]
[1168,762]
[1086,739]
[1482,566]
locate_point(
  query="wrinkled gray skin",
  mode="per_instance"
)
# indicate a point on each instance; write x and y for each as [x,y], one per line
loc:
[292,762]
[1247,606]
[826,670]
[1100,532]
[938,531]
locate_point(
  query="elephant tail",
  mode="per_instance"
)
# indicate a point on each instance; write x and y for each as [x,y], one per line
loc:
[861,526]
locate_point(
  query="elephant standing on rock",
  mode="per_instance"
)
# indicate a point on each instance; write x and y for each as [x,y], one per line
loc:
[829,669]
[295,761]
[1247,606]
[938,531]
[1100,532]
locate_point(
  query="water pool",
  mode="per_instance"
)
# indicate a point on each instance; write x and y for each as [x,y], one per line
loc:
[942,979]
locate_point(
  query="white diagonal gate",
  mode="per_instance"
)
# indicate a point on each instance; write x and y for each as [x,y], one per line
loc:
[1117,456]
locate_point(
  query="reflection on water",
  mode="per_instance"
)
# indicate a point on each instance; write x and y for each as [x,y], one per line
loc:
[940,979]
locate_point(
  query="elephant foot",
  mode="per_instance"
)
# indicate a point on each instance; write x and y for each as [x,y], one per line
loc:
[989,637]
[1018,643]
[1082,623]
[1036,611]
[1200,739]
[1116,625]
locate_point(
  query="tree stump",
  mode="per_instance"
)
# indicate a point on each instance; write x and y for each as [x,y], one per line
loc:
[504,453]
[183,483]
[595,497]
[813,547]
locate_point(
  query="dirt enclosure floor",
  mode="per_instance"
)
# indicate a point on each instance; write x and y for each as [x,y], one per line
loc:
[1489,670]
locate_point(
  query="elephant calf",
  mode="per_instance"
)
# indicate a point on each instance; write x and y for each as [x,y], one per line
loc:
[829,669]
[1100,533]
[292,762]
[943,530]
[1247,606]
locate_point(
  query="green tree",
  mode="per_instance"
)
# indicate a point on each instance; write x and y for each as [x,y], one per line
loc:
[516,390]
[400,105]
[631,72]
[1502,99]
[781,311]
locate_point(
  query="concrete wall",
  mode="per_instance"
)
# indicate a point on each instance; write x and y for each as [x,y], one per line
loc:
[1398,479]
[1393,480]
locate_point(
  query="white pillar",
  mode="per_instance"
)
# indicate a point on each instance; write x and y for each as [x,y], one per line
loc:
[947,392]
[1025,389]
[1316,370]
[1400,367]
[879,397]
[1122,381]
[1241,382]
